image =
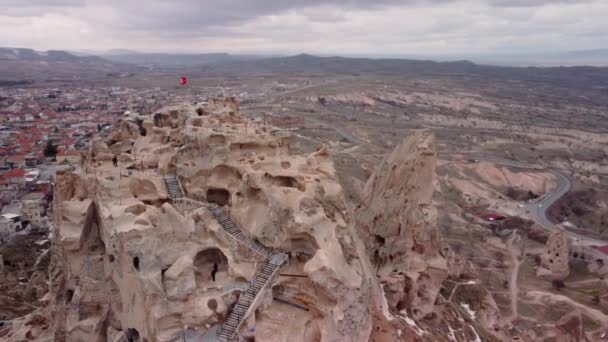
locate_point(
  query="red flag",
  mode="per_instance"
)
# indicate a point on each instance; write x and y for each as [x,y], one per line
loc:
[184,80]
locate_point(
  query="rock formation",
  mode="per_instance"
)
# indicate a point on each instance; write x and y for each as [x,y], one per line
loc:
[399,222]
[555,262]
[133,263]
[413,264]
[209,227]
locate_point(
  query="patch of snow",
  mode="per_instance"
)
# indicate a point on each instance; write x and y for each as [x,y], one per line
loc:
[468,309]
[384,304]
[471,282]
[41,242]
[411,323]
[477,338]
[451,335]
[42,53]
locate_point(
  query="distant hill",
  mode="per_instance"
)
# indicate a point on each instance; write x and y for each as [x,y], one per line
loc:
[16,54]
[22,66]
[309,64]
[590,78]
[165,60]
[25,65]
[596,57]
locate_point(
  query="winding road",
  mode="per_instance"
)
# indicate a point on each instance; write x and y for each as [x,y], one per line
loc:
[538,209]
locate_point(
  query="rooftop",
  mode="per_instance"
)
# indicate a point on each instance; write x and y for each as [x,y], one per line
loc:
[14,173]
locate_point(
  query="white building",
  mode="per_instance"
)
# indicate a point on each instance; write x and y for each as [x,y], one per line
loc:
[9,225]
[33,207]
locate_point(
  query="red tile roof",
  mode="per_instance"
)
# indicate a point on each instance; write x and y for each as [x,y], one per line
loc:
[14,173]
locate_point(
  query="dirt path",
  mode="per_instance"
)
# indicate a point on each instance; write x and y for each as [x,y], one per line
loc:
[541,297]
[588,282]
[513,287]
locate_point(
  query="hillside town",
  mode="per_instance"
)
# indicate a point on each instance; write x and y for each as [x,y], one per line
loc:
[43,130]
[46,129]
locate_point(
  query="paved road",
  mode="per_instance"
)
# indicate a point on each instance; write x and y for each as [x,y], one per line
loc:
[538,210]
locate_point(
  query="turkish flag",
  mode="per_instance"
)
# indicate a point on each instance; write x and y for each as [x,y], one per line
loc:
[184,80]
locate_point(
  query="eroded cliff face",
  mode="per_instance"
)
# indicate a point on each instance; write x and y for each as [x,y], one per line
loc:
[399,221]
[430,293]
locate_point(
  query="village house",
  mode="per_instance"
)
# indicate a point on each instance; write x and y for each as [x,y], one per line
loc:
[15,161]
[33,207]
[9,225]
[15,177]
[32,160]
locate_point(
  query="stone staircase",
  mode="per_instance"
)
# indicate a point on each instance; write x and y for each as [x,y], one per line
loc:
[172,185]
[249,300]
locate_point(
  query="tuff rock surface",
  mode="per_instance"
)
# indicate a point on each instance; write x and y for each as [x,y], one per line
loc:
[129,262]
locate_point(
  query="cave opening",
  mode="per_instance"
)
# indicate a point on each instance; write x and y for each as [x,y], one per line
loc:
[218,196]
[132,335]
[209,266]
[68,296]
[91,235]
[284,181]
[136,263]
[302,248]
[379,240]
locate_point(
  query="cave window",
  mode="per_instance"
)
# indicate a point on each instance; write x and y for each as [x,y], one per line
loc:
[132,335]
[220,197]
[136,263]
[380,240]
[212,304]
[575,255]
[285,181]
[112,258]
[68,296]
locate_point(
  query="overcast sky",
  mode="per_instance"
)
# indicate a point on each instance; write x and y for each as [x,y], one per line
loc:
[312,26]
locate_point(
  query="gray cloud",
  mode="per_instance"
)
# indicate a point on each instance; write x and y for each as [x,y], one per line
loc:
[352,26]
[533,3]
